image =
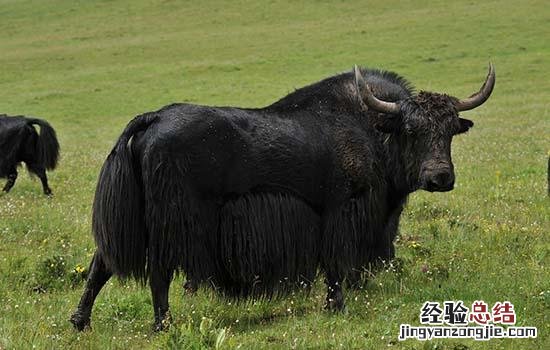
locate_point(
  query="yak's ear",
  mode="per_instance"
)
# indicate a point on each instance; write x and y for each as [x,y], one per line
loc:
[465,125]
[387,123]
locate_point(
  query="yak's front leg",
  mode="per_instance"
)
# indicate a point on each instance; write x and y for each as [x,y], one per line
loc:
[97,278]
[336,257]
[160,285]
[335,296]
[11,181]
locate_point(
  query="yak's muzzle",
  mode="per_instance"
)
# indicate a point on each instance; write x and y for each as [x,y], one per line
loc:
[440,180]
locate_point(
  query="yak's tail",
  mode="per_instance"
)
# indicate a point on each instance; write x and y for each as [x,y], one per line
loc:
[47,146]
[118,212]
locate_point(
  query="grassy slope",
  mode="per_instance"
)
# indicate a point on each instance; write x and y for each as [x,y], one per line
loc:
[89,66]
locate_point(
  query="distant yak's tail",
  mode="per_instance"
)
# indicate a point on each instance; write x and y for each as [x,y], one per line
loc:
[47,146]
[118,212]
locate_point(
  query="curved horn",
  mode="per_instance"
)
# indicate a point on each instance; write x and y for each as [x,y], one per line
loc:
[481,96]
[368,97]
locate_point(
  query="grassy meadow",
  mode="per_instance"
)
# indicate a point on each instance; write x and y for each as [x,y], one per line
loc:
[88,67]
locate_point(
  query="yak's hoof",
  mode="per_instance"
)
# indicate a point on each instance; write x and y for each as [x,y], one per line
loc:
[334,305]
[163,325]
[79,322]
[48,192]
[335,302]
[158,327]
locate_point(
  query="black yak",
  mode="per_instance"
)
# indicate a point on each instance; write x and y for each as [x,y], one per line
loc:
[256,201]
[20,142]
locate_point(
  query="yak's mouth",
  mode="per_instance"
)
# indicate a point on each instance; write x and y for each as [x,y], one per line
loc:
[439,181]
[430,187]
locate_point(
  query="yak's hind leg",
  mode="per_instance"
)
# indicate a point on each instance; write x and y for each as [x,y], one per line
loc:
[99,275]
[12,176]
[40,171]
[160,286]
[180,225]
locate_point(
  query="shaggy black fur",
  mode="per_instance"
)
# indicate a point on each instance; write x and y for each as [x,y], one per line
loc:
[254,201]
[20,142]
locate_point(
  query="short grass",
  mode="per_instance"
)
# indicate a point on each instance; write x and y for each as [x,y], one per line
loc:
[90,66]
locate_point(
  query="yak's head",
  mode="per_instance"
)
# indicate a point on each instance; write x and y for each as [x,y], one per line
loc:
[424,125]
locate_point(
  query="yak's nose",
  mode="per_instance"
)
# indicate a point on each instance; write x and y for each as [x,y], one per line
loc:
[440,181]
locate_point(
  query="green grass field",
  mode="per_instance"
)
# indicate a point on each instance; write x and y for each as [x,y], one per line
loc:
[90,66]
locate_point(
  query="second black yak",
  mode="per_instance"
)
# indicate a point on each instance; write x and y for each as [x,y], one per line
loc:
[20,142]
